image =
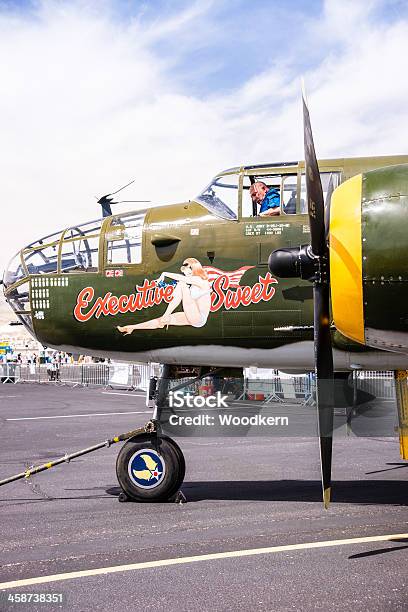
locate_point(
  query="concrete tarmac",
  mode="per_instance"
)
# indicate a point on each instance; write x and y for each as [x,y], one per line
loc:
[242,494]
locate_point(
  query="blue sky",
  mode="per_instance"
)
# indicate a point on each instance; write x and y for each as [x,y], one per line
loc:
[224,46]
[234,41]
[95,93]
[230,40]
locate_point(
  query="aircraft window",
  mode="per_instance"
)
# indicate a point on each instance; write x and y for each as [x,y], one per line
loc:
[220,197]
[325,178]
[46,240]
[79,251]
[41,259]
[91,227]
[289,194]
[269,180]
[125,240]
[14,271]
[19,300]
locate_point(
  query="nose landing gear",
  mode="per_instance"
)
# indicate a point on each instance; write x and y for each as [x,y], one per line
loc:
[151,467]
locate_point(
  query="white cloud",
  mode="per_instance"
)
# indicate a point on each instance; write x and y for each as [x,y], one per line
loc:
[180,22]
[86,104]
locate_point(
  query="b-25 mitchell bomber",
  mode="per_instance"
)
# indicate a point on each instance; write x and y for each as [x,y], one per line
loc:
[320,284]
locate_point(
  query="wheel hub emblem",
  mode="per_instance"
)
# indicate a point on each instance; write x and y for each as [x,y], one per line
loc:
[146,468]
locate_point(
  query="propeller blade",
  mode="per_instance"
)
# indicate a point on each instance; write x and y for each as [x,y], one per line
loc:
[327,204]
[315,202]
[321,293]
[324,384]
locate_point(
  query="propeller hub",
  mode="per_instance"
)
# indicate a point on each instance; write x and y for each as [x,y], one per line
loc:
[293,262]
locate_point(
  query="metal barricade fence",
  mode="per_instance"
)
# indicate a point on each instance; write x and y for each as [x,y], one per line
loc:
[125,375]
[141,374]
[136,376]
[9,372]
[95,374]
[380,384]
[278,388]
[27,373]
[70,374]
[44,373]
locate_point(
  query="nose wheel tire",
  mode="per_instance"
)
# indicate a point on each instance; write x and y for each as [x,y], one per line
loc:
[150,468]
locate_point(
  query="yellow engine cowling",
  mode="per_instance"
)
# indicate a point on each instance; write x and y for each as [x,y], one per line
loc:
[369,258]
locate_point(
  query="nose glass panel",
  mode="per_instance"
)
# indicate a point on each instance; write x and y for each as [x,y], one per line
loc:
[19,300]
[41,259]
[14,271]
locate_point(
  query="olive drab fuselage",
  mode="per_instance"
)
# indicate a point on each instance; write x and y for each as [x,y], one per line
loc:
[81,306]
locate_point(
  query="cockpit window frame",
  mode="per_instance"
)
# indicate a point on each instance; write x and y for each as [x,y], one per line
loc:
[235,218]
[104,264]
[44,243]
[102,227]
[76,239]
[269,170]
[283,170]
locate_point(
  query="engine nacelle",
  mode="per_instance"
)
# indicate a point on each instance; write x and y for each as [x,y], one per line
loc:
[369,258]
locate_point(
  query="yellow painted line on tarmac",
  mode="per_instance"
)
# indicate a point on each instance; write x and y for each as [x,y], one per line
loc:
[233,554]
[72,416]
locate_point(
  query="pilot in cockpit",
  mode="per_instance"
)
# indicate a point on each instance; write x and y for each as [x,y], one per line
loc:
[266,197]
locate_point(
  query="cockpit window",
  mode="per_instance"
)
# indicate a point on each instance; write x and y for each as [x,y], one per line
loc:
[220,197]
[326,178]
[251,209]
[79,251]
[289,194]
[124,239]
